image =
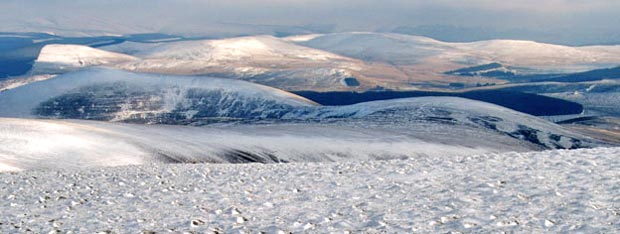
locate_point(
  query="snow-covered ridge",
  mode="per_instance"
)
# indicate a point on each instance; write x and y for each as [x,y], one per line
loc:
[38,144]
[379,47]
[537,192]
[402,49]
[262,59]
[119,96]
[449,111]
[106,94]
[57,58]
[235,49]
[21,81]
[324,61]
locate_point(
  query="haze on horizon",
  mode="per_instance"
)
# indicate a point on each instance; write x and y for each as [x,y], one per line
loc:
[574,22]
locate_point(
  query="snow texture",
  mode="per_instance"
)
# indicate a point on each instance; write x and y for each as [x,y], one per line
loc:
[574,191]
[52,144]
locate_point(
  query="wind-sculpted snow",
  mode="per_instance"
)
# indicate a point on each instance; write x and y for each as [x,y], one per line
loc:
[104,94]
[36,144]
[563,191]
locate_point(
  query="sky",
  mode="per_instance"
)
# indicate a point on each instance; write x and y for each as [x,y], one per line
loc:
[592,20]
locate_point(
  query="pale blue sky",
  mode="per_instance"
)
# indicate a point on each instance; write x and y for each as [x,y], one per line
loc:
[582,17]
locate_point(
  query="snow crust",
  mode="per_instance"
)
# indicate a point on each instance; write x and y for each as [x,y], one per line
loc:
[540,192]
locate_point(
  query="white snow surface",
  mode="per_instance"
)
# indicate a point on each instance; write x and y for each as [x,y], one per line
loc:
[405,49]
[22,80]
[574,191]
[29,144]
[58,58]
[262,59]
[234,49]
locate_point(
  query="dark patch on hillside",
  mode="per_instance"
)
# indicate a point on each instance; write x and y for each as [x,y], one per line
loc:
[524,102]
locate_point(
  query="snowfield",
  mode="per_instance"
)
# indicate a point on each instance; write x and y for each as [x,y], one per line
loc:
[544,192]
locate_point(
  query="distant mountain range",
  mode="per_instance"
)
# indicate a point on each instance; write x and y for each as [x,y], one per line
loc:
[335,62]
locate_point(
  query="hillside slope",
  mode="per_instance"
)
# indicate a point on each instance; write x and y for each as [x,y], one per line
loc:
[106,94]
[57,59]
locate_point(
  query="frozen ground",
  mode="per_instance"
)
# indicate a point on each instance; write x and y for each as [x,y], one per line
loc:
[545,192]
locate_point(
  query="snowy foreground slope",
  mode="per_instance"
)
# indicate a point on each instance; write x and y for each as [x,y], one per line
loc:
[52,144]
[573,191]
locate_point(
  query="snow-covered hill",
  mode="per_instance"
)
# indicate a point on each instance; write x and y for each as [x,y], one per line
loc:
[377,47]
[118,96]
[572,191]
[405,49]
[416,127]
[325,62]
[261,59]
[435,116]
[106,94]
[57,58]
